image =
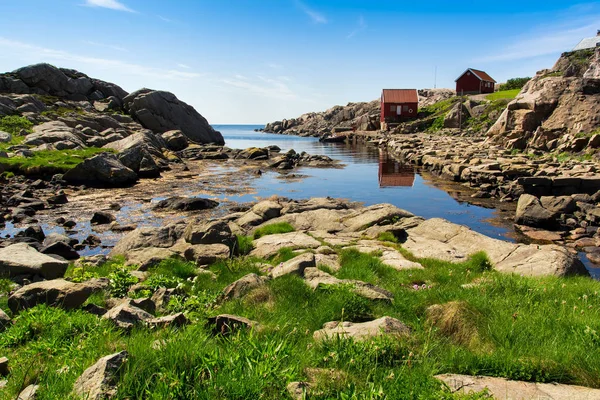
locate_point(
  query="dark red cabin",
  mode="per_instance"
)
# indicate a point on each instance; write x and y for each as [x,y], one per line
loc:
[398,105]
[474,81]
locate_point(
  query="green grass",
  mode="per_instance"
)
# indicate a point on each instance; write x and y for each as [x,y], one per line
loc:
[13,124]
[49,162]
[272,229]
[490,114]
[535,329]
[504,94]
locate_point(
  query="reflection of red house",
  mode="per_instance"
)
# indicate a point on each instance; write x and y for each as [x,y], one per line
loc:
[398,105]
[474,81]
[392,173]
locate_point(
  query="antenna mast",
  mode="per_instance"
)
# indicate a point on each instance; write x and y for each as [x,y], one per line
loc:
[435,78]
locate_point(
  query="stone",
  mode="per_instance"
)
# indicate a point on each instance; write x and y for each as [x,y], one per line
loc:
[29,393]
[101,170]
[559,205]
[298,390]
[60,249]
[5,320]
[56,135]
[161,112]
[539,235]
[531,212]
[126,316]
[148,257]
[175,320]
[22,259]
[295,266]
[161,298]
[175,140]
[313,220]
[5,137]
[267,209]
[54,237]
[226,324]
[56,292]
[269,245]
[58,199]
[202,254]
[249,219]
[99,381]
[443,240]
[102,218]
[208,233]
[379,214]
[384,326]
[242,286]
[331,261]
[165,236]
[185,204]
[502,388]
[316,278]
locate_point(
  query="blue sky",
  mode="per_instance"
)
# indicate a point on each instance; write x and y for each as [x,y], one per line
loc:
[256,61]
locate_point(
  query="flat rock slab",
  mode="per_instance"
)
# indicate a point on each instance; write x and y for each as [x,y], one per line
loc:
[503,389]
[56,292]
[313,220]
[314,278]
[337,239]
[389,256]
[385,214]
[22,259]
[443,240]
[295,266]
[384,326]
[269,245]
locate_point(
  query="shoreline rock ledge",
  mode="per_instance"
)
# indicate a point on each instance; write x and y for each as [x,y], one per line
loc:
[338,223]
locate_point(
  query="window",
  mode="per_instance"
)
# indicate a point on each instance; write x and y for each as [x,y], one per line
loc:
[393,108]
[404,108]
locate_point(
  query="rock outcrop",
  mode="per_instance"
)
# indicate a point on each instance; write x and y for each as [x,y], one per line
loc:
[162,112]
[23,260]
[104,170]
[554,107]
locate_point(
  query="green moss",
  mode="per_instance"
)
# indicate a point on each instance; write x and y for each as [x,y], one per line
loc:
[13,124]
[49,162]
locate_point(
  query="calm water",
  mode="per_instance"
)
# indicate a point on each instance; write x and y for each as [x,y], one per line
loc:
[367,177]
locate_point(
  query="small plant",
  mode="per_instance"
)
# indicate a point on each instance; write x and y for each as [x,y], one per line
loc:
[79,275]
[243,245]
[387,237]
[120,282]
[272,229]
[158,281]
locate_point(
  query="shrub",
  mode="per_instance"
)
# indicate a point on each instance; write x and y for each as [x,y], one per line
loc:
[515,83]
[120,282]
[243,245]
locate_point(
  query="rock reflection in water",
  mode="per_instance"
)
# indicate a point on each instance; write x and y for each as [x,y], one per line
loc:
[393,173]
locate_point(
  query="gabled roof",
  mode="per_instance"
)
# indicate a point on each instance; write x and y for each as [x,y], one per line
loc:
[588,43]
[482,75]
[400,96]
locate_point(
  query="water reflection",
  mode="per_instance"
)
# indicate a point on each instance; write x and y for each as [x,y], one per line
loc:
[393,173]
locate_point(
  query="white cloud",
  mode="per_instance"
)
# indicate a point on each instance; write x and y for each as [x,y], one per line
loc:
[361,26]
[262,86]
[184,66]
[315,16]
[33,53]
[112,4]
[107,46]
[165,19]
[544,42]
[274,65]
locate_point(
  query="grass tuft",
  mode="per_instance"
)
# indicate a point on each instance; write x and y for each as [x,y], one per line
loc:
[273,229]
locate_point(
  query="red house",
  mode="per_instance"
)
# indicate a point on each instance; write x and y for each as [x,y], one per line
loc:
[398,105]
[474,81]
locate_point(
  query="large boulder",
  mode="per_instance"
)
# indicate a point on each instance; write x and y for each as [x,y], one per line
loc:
[99,381]
[295,266]
[175,140]
[162,111]
[126,315]
[164,237]
[443,240]
[531,212]
[242,286]
[56,134]
[208,233]
[139,152]
[101,170]
[56,292]
[22,259]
